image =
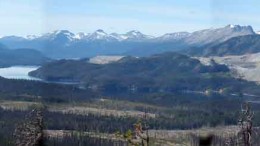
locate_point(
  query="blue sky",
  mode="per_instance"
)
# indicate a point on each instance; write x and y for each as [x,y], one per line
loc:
[154,17]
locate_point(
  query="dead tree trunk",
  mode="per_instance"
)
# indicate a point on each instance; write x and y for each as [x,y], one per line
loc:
[246,124]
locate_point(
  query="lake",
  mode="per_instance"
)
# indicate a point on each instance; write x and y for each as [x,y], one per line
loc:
[18,72]
[21,72]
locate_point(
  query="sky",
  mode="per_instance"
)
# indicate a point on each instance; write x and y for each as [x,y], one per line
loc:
[153,17]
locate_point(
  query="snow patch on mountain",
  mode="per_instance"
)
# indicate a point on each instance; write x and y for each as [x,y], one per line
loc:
[80,35]
[58,34]
[136,35]
[98,35]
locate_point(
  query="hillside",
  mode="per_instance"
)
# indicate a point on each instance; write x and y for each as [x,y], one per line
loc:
[235,46]
[21,57]
[2,46]
[169,72]
[242,66]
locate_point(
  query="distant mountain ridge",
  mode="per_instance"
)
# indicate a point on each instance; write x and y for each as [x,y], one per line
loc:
[96,35]
[134,35]
[209,36]
[65,44]
[21,57]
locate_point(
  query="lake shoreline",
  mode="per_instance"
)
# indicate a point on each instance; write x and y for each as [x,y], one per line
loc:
[18,72]
[22,73]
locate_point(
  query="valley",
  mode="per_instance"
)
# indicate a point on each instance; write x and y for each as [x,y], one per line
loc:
[184,86]
[129,73]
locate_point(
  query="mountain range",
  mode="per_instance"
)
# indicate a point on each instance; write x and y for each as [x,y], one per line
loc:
[65,44]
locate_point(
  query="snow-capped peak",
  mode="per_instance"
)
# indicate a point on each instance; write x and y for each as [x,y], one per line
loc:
[134,32]
[102,35]
[119,37]
[240,28]
[99,35]
[231,26]
[258,32]
[136,35]
[59,34]
[80,35]
[63,32]
[202,36]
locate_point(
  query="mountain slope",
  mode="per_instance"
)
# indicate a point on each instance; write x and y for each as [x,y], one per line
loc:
[21,57]
[2,46]
[218,35]
[235,46]
[173,36]
[243,66]
[13,42]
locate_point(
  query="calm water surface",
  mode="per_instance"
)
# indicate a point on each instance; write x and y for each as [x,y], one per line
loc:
[18,72]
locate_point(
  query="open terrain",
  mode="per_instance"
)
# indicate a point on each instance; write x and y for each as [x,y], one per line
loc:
[243,66]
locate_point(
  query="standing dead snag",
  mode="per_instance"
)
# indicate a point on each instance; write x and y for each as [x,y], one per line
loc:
[30,132]
[246,124]
[140,136]
[142,133]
